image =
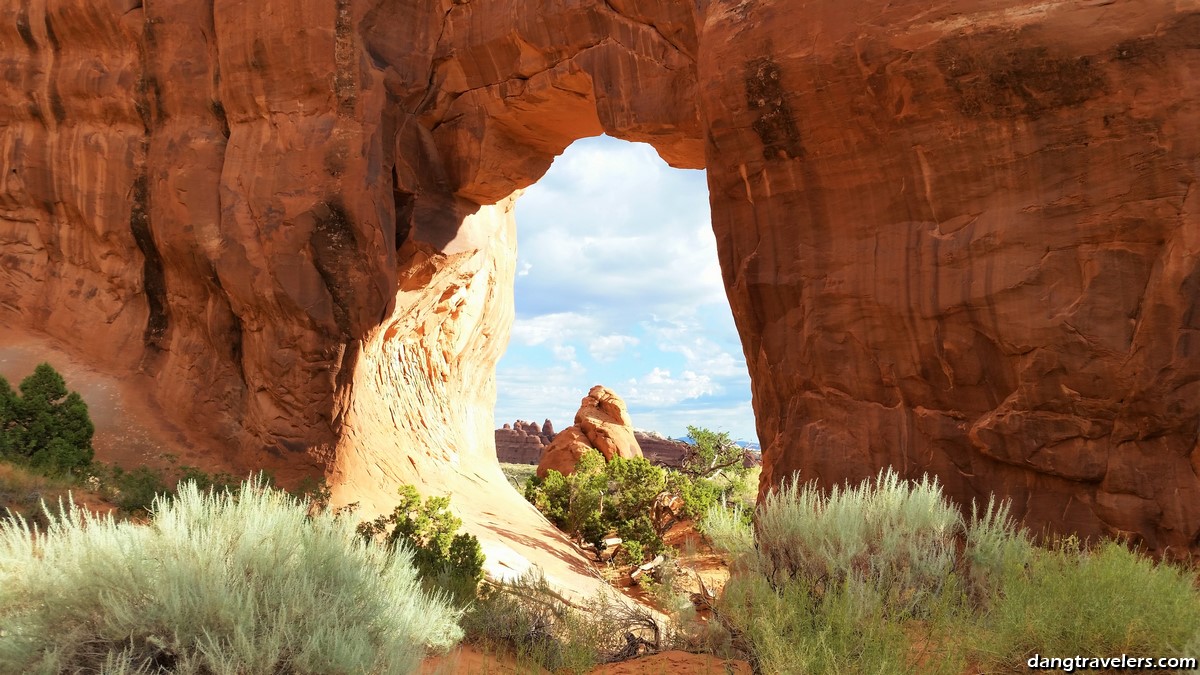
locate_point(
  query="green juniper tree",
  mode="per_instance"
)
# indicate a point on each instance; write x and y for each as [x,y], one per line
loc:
[44,425]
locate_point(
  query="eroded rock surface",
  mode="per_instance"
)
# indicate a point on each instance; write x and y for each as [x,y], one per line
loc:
[960,238]
[603,423]
[965,239]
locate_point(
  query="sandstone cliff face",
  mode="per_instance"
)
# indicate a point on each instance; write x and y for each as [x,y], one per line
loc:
[603,423]
[965,240]
[962,239]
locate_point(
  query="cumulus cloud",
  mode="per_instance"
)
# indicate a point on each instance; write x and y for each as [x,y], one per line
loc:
[564,353]
[535,394]
[611,227]
[618,284]
[553,329]
[609,347]
[660,388]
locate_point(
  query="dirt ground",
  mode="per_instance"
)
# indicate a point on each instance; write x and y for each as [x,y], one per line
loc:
[466,660]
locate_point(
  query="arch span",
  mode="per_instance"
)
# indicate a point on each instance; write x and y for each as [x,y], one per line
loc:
[960,240]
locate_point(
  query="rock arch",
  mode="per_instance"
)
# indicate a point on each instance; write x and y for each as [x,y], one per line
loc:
[960,240]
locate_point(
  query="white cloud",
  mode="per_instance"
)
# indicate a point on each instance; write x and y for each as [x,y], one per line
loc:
[609,347]
[660,388]
[555,328]
[618,283]
[611,228]
[735,417]
[545,393]
[564,353]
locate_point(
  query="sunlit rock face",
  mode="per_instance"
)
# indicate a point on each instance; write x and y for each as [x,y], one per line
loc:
[961,239]
[602,423]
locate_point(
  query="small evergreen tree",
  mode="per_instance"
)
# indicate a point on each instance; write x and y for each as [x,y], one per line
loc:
[714,454]
[599,498]
[45,425]
[443,556]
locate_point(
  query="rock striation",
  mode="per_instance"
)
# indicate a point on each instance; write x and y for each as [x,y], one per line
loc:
[603,423]
[961,239]
[965,240]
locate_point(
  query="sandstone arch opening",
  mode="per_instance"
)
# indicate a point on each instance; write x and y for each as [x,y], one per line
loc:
[618,284]
[940,255]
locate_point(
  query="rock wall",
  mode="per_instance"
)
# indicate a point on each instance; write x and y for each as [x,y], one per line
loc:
[961,239]
[966,240]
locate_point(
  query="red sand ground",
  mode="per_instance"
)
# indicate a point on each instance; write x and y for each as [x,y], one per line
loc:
[466,660]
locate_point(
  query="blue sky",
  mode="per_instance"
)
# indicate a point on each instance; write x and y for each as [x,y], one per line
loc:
[618,284]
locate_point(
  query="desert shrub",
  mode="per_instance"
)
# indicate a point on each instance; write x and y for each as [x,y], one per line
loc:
[867,579]
[221,481]
[894,535]
[444,557]
[697,494]
[573,502]
[527,618]
[729,529]
[846,629]
[600,498]
[714,455]
[44,425]
[1095,603]
[135,491]
[217,583]
[997,551]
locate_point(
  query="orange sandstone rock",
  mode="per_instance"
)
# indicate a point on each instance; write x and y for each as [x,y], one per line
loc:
[961,239]
[602,423]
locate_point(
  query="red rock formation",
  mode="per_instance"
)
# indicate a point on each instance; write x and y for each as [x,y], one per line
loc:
[603,423]
[523,442]
[965,239]
[661,450]
[959,238]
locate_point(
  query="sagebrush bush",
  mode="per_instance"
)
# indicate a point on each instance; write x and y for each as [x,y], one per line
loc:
[997,551]
[1095,603]
[729,529]
[897,536]
[867,579]
[848,629]
[529,619]
[221,583]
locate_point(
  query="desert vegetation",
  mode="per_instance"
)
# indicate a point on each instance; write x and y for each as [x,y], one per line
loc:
[446,559]
[888,577]
[636,501]
[217,582]
[215,575]
[45,426]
